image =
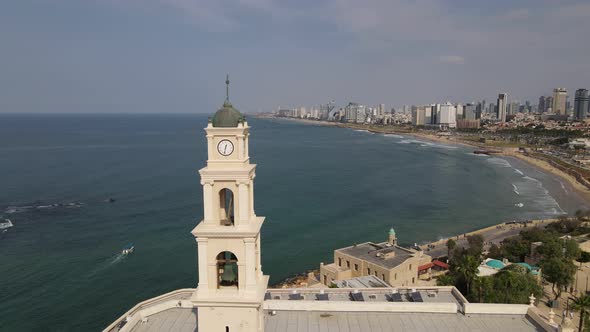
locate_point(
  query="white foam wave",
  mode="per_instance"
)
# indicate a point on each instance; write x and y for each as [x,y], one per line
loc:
[499,162]
[478,154]
[515,189]
[393,135]
[563,187]
[426,144]
[531,190]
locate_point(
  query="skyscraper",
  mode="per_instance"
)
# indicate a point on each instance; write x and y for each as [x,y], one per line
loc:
[541,107]
[559,101]
[501,107]
[581,104]
[548,104]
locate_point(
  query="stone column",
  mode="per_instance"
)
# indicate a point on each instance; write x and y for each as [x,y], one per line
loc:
[247,149]
[210,145]
[252,213]
[250,249]
[208,201]
[244,202]
[241,149]
[203,263]
[258,258]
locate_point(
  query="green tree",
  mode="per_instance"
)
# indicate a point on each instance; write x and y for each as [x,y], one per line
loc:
[451,244]
[513,284]
[515,249]
[584,257]
[467,269]
[552,248]
[581,303]
[495,252]
[475,244]
[572,249]
[446,280]
[558,272]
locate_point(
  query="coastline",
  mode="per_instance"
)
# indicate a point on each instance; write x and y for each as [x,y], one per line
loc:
[548,168]
[539,164]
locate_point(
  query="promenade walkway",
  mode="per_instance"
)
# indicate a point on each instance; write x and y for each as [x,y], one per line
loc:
[492,234]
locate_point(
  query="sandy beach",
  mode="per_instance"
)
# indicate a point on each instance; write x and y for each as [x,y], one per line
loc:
[546,167]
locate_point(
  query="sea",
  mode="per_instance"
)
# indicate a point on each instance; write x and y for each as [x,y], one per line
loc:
[79,188]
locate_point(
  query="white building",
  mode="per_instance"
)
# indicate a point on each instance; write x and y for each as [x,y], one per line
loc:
[446,115]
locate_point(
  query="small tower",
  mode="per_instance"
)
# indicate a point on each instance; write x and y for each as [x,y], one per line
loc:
[392,240]
[231,283]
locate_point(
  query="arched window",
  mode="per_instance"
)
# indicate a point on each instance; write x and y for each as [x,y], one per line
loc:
[226,207]
[227,270]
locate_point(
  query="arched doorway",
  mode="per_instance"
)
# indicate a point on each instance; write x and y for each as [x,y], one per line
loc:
[227,270]
[226,207]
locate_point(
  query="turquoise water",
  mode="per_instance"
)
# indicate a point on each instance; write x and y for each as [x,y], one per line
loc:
[319,187]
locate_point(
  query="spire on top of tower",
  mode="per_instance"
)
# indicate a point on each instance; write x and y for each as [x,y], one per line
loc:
[227,90]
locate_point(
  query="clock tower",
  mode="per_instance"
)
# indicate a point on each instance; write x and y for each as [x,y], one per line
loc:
[231,283]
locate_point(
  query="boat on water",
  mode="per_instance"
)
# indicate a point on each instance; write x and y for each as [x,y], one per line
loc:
[5,224]
[128,249]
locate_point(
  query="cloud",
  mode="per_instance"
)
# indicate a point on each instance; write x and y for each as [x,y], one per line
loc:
[453,59]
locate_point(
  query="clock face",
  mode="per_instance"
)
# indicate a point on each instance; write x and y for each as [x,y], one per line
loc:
[225,147]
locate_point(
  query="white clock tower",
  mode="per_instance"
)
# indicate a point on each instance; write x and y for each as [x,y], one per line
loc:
[231,284]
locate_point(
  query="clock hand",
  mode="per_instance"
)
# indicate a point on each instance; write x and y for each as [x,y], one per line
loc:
[225,149]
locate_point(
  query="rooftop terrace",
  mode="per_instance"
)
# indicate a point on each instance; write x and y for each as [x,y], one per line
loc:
[382,254]
[368,309]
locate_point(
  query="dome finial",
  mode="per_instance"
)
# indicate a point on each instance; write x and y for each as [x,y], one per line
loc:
[227,88]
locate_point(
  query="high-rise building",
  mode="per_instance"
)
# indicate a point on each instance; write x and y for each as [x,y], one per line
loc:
[548,104]
[447,116]
[501,107]
[581,104]
[429,114]
[460,114]
[470,112]
[559,101]
[354,112]
[419,115]
[513,108]
[541,107]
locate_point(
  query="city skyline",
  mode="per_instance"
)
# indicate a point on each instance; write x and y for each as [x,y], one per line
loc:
[167,56]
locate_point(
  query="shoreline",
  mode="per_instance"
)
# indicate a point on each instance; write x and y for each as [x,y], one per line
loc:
[539,164]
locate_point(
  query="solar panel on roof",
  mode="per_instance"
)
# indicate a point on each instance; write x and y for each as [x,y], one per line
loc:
[395,297]
[295,297]
[416,297]
[357,296]
[322,297]
[267,296]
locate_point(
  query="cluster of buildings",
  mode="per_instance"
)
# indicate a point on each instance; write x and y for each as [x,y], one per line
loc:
[556,107]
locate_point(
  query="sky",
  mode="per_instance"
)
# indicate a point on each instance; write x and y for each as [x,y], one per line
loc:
[171,56]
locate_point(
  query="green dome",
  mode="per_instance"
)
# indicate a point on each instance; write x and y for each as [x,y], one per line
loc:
[391,231]
[227,116]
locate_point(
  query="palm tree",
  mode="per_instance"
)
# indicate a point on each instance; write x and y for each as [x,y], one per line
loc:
[451,244]
[468,269]
[583,304]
